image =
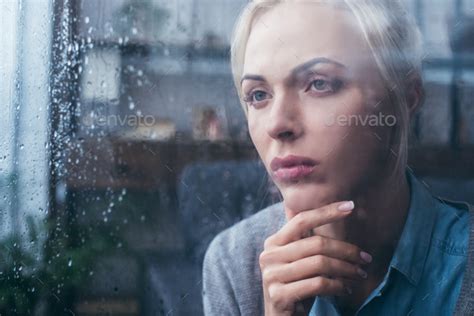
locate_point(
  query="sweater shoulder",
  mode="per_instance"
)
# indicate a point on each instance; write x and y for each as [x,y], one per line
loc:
[247,236]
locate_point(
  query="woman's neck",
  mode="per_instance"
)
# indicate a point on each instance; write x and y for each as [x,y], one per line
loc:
[375,226]
[378,218]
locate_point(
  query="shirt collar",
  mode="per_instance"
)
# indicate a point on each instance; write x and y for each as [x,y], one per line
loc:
[412,248]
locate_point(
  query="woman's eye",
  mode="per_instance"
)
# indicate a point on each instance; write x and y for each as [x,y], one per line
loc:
[321,85]
[259,96]
[256,97]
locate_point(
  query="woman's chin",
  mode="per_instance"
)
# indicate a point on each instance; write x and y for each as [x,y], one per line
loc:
[297,199]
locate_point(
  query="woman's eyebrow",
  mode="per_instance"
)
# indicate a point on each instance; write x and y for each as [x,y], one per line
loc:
[297,70]
[304,67]
[252,77]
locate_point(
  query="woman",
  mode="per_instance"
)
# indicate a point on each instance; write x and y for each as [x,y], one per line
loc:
[328,88]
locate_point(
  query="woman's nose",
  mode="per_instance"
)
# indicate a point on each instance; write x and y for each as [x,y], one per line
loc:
[284,121]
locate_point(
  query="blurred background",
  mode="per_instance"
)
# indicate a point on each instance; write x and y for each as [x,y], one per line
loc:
[124,151]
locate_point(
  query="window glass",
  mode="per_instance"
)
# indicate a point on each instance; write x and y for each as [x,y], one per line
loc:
[124,149]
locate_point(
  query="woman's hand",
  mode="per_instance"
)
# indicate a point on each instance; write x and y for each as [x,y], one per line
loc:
[296,268]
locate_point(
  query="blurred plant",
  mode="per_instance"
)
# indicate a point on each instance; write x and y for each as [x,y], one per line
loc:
[18,294]
[29,277]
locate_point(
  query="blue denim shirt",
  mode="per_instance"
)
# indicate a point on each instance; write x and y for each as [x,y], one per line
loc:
[427,267]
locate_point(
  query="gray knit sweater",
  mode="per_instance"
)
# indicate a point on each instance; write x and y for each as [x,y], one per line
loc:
[232,283]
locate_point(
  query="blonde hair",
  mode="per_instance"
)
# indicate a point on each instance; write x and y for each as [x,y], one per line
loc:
[392,35]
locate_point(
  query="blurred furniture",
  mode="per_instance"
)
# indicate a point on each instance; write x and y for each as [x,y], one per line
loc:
[211,197]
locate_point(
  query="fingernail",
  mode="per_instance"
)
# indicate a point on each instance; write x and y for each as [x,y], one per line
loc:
[366,257]
[362,273]
[346,206]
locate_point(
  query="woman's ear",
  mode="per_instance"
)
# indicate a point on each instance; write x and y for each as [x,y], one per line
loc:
[415,93]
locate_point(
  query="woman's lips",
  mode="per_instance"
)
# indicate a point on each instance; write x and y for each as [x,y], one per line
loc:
[292,168]
[293,173]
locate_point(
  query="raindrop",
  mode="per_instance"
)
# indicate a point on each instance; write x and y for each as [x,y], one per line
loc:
[131,106]
[69,263]
[86,20]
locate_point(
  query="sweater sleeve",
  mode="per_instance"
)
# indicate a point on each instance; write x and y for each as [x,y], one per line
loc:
[217,287]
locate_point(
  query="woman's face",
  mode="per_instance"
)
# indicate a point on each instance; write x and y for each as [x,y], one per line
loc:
[313,91]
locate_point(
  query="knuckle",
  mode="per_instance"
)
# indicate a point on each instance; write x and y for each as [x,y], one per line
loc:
[262,259]
[320,284]
[269,276]
[300,220]
[333,206]
[268,243]
[265,258]
[319,243]
[275,294]
[353,253]
[328,209]
[319,261]
[339,285]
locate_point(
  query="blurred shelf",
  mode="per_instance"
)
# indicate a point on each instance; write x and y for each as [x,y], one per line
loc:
[118,164]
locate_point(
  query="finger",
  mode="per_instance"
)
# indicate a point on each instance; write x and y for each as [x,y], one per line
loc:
[311,267]
[298,226]
[325,246]
[306,288]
